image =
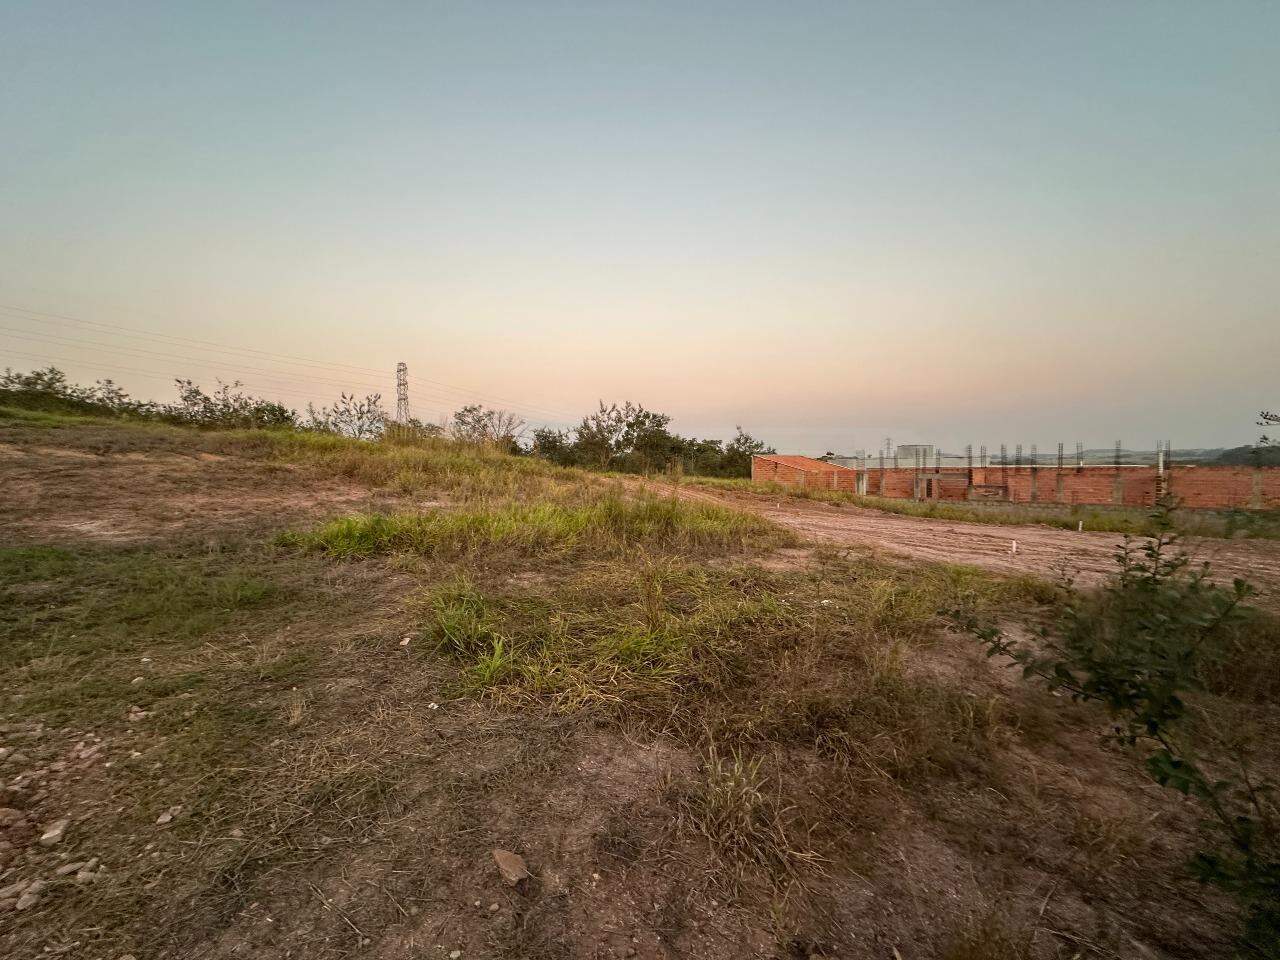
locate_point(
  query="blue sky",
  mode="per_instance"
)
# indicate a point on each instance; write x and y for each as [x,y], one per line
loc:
[827,222]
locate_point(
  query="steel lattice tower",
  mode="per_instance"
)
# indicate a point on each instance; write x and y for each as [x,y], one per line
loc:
[402,393]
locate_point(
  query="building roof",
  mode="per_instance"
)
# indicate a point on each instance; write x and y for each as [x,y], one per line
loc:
[797,462]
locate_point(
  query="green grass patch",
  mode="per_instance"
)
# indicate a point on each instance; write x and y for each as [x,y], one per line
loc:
[50,418]
[606,526]
[76,623]
[750,655]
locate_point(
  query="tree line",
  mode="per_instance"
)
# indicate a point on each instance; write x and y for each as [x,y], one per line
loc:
[626,438]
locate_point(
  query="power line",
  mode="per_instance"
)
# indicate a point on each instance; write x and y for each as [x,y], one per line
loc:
[271,388]
[153,334]
[79,342]
[29,314]
[116,368]
[301,379]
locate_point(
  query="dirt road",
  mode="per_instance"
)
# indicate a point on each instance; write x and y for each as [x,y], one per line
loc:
[1044,551]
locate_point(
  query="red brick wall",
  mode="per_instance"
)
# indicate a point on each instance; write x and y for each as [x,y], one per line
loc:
[1195,487]
[1087,486]
[1226,486]
[954,486]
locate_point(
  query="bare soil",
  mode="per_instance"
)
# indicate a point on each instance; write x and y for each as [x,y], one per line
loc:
[60,495]
[1040,551]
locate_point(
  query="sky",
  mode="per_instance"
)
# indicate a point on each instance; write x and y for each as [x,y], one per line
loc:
[829,223]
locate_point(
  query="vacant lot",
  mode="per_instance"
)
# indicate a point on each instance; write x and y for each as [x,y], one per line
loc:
[285,696]
[1041,550]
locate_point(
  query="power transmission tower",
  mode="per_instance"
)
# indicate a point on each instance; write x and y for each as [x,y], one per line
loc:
[402,393]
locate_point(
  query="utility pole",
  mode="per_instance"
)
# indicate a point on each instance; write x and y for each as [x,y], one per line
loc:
[402,393]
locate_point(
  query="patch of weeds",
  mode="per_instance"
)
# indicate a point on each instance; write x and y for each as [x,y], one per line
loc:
[461,624]
[731,805]
[611,635]
[865,709]
[76,622]
[606,525]
[750,655]
[33,564]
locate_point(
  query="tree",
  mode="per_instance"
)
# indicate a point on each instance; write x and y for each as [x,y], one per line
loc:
[50,388]
[1268,419]
[598,438]
[739,451]
[484,425]
[554,445]
[228,406]
[360,418]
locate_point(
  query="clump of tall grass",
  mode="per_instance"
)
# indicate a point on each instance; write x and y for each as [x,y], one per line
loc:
[604,525]
[731,805]
[465,471]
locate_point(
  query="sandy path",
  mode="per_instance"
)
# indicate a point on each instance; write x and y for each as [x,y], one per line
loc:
[1044,551]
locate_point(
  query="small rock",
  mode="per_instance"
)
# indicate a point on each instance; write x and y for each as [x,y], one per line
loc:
[31,896]
[168,815]
[493,908]
[137,680]
[10,816]
[67,868]
[511,865]
[54,832]
[13,889]
[86,876]
[454,954]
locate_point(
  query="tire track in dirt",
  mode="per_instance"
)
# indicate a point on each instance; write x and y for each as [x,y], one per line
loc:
[1042,551]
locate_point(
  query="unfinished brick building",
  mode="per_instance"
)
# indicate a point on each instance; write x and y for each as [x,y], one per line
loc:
[1135,485]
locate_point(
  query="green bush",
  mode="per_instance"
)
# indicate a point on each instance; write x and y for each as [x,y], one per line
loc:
[1142,647]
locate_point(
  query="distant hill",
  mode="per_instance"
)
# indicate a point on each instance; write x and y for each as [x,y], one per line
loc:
[1250,456]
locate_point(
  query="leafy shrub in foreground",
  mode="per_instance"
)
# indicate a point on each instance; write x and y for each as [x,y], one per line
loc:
[1140,648]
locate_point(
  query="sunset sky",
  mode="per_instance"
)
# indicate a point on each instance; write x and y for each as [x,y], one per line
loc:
[949,223]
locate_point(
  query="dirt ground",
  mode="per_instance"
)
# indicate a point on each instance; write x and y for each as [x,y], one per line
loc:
[55,494]
[387,796]
[1041,551]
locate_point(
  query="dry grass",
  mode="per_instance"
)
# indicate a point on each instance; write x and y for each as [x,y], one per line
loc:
[752,655]
[732,806]
[465,472]
[988,938]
